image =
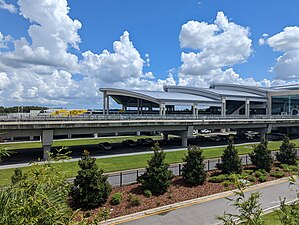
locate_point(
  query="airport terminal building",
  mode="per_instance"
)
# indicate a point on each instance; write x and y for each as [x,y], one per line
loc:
[219,99]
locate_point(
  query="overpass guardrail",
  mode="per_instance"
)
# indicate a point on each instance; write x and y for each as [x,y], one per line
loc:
[24,118]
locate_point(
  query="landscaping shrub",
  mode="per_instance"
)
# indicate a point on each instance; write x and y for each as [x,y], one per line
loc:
[116,198]
[252,179]
[287,153]
[17,176]
[91,187]
[37,197]
[230,160]
[261,157]
[157,177]
[289,168]
[277,174]
[133,200]
[220,178]
[147,193]
[249,171]
[226,183]
[193,170]
[262,178]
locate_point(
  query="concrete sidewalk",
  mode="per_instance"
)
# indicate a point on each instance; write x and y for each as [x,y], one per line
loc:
[204,210]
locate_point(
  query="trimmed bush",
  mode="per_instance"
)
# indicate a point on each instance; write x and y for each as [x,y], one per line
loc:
[289,168]
[230,160]
[262,178]
[252,179]
[194,168]
[147,193]
[157,177]
[261,157]
[17,176]
[91,187]
[287,153]
[249,171]
[116,198]
[133,200]
[226,183]
[277,174]
[220,178]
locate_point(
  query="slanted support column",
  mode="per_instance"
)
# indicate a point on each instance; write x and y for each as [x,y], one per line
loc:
[247,108]
[95,135]
[47,141]
[223,107]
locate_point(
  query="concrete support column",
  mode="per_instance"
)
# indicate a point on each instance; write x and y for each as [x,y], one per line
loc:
[107,104]
[162,109]
[116,134]
[47,141]
[104,102]
[138,133]
[165,136]
[195,110]
[264,131]
[95,135]
[69,136]
[184,142]
[223,107]
[247,108]
[31,138]
[269,105]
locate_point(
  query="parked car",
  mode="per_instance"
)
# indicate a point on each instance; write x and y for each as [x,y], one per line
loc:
[150,141]
[129,143]
[163,142]
[205,131]
[105,146]
[142,141]
[215,138]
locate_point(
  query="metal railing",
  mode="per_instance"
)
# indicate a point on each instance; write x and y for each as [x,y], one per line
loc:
[113,117]
[131,176]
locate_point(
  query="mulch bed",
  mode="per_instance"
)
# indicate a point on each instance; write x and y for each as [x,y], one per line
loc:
[177,192]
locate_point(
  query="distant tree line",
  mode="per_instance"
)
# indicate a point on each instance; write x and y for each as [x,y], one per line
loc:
[24,109]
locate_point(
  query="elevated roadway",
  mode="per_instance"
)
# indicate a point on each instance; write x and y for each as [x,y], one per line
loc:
[182,126]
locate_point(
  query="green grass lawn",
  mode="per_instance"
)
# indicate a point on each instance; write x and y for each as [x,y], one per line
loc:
[72,142]
[69,169]
[271,219]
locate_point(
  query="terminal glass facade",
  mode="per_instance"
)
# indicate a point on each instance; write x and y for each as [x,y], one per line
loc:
[285,105]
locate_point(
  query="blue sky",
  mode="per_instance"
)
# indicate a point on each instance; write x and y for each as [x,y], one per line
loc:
[144,30]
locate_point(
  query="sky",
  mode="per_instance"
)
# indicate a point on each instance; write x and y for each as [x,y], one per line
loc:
[58,53]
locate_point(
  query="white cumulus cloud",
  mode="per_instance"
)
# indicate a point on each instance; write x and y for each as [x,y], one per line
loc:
[9,7]
[214,46]
[287,42]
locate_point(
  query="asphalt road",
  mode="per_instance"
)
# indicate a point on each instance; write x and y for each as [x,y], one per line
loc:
[205,213]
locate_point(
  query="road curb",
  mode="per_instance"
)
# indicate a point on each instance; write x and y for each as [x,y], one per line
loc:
[174,206]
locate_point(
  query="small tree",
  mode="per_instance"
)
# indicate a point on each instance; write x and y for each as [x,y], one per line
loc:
[157,177]
[193,170]
[230,160]
[91,187]
[287,153]
[249,209]
[261,157]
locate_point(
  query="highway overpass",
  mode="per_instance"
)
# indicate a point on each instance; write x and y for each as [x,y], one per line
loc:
[182,126]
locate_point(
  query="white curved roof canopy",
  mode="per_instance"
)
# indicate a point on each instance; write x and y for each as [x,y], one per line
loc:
[217,94]
[161,97]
